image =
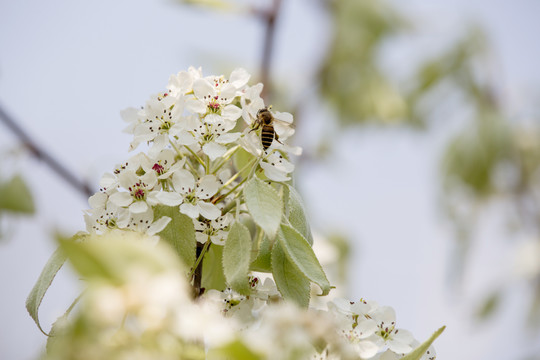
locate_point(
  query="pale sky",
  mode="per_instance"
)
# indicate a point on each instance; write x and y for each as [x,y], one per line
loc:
[67,68]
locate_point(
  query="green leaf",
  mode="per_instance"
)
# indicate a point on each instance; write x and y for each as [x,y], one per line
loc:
[417,353]
[113,256]
[297,214]
[213,276]
[241,159]
[233,350]
[237,257]
[263,261]
[43,283]
[290,281]
[489,306]
[302,256]
[179,233]
[15,196]
[264,204]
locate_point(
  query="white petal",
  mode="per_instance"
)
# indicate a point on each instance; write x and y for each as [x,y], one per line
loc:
[273,173]
[384,314]
[169,198]
[365,328]
[121,199]
[208,186]
[404,336]
[283,116]
[127,179]
[231,112]
[228,138]
[138,207]
[159,225]
[160,142]
[340,305]
[150,179]
[214,150]
[209,210]
[213,118]
[399,347]
[183,181]
[202,88]
[218,239]
[202,238]
[239,77]
[98,200]
[107,181]
[190,210]
[196,106]
[227,92]
[186,138]
[366,349]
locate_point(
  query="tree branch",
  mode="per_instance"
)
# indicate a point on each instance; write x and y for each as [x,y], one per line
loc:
[44,156]
[269,18]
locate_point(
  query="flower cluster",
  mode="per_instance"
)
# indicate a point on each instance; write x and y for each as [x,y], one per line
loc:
[197,131]
[210,187]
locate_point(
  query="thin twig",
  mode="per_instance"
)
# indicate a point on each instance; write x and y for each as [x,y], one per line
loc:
[269,17]
[39,153]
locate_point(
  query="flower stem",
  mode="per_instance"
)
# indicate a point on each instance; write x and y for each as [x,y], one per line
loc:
[238,173]
[222,197]
[197,157]
[227,156]
[196,272]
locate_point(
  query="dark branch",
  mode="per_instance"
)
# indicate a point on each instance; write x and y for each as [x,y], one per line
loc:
[269,17]
[42,155]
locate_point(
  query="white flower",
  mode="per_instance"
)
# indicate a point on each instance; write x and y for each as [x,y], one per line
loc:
[212,136]
[109,183]
[216,230]
[182,83]
[276,167]
[140,191]
[164,164]
[251,102]
[103,215]
[162,117]
[213,97]
[399,341]
[144,223]
[194,194]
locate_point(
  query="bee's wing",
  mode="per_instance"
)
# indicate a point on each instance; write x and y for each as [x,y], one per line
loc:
[283,116]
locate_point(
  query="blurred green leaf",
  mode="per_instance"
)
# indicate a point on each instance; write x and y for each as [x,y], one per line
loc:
[15,196]
[112,257]
[34,299]
[212,4]
[350,77]
[472,156]
[233,350]
[489,306]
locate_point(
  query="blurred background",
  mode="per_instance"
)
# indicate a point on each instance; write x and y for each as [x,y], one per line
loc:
[419,122]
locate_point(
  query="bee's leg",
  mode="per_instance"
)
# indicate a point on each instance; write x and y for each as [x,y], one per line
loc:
[276,137]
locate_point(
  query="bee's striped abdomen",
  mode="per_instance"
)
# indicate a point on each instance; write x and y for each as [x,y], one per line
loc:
[267,136]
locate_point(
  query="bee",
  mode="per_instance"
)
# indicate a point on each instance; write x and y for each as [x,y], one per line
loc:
[265,121]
